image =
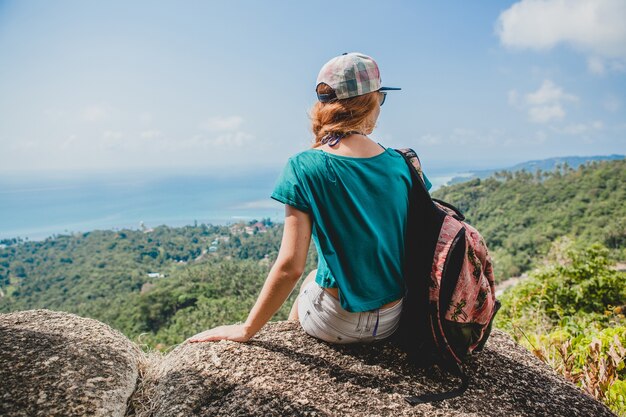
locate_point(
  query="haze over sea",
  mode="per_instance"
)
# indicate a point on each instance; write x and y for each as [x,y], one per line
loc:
[39,208]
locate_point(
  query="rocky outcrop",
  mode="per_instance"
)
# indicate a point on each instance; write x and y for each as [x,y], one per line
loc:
[54,363]
[60,364]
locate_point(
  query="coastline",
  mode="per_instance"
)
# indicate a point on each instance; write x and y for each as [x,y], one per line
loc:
[36,210]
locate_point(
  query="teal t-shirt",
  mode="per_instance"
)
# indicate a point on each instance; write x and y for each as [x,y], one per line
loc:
[359,210]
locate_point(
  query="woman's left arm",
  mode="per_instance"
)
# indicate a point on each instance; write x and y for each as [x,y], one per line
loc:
[280,281]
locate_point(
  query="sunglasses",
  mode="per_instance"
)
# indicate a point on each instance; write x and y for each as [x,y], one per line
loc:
[382,98]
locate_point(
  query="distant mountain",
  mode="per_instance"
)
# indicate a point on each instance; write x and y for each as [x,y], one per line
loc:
[531,166]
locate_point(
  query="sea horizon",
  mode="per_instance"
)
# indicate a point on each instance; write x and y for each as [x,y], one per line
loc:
[35,209]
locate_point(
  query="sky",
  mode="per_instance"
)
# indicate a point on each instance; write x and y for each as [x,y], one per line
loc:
[224,87]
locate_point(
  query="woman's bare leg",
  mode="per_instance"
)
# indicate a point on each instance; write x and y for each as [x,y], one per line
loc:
[293,314]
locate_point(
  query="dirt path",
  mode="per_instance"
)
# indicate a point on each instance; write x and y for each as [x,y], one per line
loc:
[508,283]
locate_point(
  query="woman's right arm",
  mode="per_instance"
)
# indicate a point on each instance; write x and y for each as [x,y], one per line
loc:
[280,281]
[286,271]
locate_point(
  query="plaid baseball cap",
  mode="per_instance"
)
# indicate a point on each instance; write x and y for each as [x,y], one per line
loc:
[350,75]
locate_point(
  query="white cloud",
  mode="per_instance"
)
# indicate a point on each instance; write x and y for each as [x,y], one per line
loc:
[25,145]
[540,137]
[601,66]
[429,140]
[118,142]
[112,139]
[461,131]
[513,98]
[544,114]
[95,113]
[618,66]
[221,124]
[595,28]
[224,141]
[548,93]
[596,65]
[54,114]
[225,133]
[580,128]
[145,117]
[257,204]
[545,104]
[612,103]
[112,134]
[151,134]
[69,142]
[155,142]
[461,136]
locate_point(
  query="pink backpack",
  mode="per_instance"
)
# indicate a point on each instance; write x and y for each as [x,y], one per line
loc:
[450,300]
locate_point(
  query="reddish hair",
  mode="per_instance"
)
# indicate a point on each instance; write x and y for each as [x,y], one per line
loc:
[342,116]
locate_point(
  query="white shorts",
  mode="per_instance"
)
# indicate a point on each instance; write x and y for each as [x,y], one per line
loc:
[322,316]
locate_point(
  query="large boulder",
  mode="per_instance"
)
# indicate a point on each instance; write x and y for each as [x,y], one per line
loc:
[59,364]
[285,372]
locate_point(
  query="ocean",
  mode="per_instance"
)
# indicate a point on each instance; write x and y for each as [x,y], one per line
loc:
[37,208]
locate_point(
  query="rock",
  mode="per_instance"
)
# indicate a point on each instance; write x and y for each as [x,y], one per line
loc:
[281,372]
[58,364]
[285,372]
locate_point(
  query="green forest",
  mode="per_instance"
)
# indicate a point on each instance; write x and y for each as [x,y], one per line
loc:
[565,229]
[520,214]
[158,287]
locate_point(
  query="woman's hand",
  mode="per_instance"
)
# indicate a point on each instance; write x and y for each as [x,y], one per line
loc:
[234,332]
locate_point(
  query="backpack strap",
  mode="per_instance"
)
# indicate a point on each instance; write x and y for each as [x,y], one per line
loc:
[413,161]
[412,157]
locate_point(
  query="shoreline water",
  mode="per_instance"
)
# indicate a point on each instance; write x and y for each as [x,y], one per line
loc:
[41,234]
[37,210]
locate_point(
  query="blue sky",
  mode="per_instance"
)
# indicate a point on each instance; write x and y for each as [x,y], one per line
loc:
[89,87]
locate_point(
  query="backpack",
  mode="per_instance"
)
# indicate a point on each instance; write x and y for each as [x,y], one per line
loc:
[450,300]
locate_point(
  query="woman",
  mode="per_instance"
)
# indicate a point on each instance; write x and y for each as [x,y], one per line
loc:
[350,194]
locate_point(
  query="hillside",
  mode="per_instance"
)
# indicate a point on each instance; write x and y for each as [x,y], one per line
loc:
[164,282]
[548,164]
[520,213]
[202,276]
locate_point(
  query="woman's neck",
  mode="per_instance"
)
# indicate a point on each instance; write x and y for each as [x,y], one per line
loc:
[355,145]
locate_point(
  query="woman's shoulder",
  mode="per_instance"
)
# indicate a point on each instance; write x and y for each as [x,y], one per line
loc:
[307,156]
[306,153]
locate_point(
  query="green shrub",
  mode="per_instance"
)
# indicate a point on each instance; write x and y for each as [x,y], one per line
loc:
[570,314]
